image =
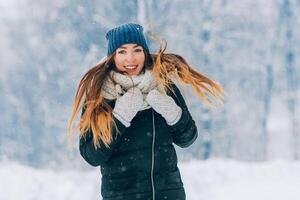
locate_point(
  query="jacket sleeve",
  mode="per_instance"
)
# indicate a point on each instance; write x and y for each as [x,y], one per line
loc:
[96,157]
[184,132]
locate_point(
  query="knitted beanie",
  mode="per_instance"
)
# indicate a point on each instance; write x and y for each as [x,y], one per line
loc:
[125,34]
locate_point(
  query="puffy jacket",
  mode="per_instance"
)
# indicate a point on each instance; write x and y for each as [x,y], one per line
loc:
[141,162]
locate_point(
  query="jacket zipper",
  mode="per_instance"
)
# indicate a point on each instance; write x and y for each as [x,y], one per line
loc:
[152,162]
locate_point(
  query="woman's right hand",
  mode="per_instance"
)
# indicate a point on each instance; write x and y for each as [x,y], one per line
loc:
[128,105]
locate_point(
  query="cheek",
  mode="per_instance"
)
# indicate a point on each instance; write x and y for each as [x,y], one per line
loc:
[142,59]
[118,62]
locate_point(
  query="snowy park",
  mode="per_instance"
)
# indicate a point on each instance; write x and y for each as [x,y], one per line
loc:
[247,149]
[215,179]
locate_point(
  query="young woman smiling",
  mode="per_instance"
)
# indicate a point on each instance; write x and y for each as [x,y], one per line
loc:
[133,114]
[130,59]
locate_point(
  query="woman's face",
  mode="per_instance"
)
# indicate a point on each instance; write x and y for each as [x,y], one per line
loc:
[130,59]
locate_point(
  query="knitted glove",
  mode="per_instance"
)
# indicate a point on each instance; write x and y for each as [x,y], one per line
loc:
[164,105]
[127,106]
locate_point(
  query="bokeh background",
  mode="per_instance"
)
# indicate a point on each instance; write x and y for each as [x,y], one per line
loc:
[250,47]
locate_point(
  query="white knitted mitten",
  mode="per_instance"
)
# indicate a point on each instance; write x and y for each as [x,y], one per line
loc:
[164,105]
[128,105]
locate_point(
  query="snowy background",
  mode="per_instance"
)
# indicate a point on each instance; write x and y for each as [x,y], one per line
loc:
[214,179]
[249,149]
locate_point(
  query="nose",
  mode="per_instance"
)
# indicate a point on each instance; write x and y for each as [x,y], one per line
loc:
[130,57]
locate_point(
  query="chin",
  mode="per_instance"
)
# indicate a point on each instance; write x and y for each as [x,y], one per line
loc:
[135,73]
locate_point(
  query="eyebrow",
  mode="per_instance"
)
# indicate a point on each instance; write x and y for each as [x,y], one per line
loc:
[124,47]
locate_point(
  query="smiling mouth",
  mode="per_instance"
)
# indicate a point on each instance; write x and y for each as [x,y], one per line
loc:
[131,67]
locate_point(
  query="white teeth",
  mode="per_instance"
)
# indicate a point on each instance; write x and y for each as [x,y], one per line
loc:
[131,66]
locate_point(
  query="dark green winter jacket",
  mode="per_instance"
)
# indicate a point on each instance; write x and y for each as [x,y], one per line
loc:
[142,162]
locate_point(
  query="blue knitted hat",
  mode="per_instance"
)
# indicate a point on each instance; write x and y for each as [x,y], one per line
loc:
[125,34]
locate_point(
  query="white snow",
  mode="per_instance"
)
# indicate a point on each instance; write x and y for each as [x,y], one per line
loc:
[236,180]
[214,179]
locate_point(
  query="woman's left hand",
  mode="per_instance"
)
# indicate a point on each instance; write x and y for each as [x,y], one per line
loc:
[164,105]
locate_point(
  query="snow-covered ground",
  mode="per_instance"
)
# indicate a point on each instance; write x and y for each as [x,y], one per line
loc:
[204,180]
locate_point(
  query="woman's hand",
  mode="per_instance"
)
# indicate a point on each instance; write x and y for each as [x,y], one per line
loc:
[164,105]
[128,105]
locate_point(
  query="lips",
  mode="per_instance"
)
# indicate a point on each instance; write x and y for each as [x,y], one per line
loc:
[131,67]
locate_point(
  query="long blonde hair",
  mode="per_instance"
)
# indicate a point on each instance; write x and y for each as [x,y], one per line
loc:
[97,115]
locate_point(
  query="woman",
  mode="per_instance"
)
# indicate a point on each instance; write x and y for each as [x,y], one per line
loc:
[132,113]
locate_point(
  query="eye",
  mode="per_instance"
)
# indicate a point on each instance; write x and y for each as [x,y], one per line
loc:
[138,50]
[121,52]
